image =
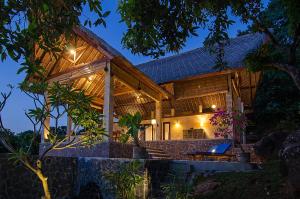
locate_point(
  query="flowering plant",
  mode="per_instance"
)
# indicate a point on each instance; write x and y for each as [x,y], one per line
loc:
[225,120]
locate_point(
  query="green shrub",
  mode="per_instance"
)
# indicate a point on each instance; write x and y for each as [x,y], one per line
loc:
[125,180]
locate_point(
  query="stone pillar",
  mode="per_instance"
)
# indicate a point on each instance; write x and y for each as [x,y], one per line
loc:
[108,101]
[46,127]
[158,117]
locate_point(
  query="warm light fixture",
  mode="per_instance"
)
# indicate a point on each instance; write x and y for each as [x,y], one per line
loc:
[201,121]
[213,106]
[73,52]
[153,121]
[177,124]
[90,78]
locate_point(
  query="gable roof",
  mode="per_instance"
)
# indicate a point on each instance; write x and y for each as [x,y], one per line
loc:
[116,57]
[200,61]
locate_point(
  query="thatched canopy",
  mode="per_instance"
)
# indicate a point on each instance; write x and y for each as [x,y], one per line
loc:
[84,63]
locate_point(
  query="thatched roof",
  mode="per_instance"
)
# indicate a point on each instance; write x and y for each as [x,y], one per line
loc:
[200,61]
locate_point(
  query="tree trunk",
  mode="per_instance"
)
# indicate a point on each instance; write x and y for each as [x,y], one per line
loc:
[292,70]
[44,181]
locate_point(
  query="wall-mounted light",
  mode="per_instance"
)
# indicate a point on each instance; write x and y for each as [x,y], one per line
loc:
[213,106]
[153,121]
[201,121]
[177,124]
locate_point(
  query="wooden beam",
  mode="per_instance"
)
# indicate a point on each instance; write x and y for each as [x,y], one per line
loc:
[203,95]
[79,71]
[235,88]
[213,74]
[134,83]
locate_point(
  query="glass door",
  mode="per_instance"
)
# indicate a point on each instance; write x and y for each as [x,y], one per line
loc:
[166,131]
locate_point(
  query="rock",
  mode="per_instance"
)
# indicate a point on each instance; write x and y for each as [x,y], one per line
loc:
[205,187]
[290,156]
[270,145]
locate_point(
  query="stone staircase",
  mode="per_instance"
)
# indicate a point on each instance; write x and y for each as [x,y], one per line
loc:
[157,154]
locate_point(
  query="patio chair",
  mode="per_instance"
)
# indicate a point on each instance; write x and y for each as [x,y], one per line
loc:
[217,152]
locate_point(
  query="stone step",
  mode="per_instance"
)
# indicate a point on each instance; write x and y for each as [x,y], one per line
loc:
[154,150]
[157,154]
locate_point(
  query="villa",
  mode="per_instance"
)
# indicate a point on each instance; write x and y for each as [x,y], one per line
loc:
[176,95]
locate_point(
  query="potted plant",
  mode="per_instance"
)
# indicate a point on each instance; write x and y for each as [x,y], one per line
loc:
[133,126]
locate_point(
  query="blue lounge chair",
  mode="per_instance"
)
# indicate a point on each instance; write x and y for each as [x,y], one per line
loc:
[217,152]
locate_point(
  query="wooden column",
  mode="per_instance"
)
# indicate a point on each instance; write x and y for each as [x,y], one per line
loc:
[158,117]
[229,94]
[108,101]
[46,127]
[229,101]
[240,107]
[69,126]
[172,112]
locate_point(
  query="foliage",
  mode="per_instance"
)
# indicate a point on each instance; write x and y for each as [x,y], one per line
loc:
[177,189]
[10,136]
[266,183]
[157,27]
[52,102]
[225,120]
[24,23]
[277,103]
[133,125]
[125,180]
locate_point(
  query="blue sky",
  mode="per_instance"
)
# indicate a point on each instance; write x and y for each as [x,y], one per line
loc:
[13,114]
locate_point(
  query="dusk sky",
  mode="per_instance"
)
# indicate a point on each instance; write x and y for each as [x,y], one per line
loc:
[13,114]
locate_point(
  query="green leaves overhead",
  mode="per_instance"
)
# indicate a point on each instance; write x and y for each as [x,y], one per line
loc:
[156,27]
[26,23]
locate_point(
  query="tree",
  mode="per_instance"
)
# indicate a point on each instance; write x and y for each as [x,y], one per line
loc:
[59,101]
[154,28]
[157,27]
[276,105]
[25,24]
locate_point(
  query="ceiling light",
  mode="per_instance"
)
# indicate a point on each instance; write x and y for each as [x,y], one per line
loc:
[90,78]
[72,52]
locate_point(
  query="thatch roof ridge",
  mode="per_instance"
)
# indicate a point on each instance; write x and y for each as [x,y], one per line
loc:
[200,60]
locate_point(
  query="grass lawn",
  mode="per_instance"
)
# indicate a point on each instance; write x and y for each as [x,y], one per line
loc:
[264,184]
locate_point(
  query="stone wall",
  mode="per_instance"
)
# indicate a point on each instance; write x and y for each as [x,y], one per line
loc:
[17,182]
[104,149]
[177,149]
[67,177]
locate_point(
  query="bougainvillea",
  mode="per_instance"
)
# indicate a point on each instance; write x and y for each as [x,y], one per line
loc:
[224,121]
